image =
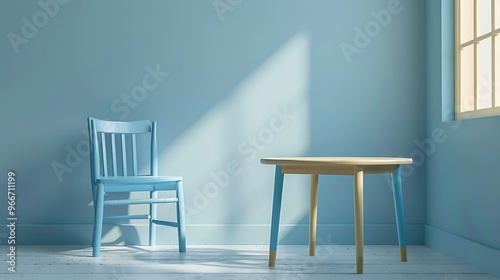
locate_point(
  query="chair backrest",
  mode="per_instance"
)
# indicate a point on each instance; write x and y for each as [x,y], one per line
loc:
[114,146]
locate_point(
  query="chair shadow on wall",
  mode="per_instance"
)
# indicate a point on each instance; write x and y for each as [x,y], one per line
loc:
[124,233]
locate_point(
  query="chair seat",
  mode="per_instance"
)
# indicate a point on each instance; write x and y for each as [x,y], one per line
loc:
[138,183]
[142,180]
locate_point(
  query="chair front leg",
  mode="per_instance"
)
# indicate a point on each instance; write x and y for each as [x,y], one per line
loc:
[98,220]
[152,216]
[181,225]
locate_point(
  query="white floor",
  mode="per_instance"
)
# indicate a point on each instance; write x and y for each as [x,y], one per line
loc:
[232,262]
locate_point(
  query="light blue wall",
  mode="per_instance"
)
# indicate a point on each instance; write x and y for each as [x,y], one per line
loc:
[301,77]
[463,189]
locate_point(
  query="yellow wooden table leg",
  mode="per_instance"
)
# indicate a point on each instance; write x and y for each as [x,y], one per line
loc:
[272,257]
[402,252]
[359,265]
[358,217]
[313,214]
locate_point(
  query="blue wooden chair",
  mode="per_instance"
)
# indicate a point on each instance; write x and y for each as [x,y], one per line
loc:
[114,168]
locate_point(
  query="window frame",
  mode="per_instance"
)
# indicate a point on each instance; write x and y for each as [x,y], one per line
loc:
[458,46]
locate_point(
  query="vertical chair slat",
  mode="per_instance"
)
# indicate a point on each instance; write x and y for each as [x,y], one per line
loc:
[113,151]
[154,151]
[124,155]
[134,155]
[104,156]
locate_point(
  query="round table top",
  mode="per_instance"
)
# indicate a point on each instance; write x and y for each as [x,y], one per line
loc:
[336,161]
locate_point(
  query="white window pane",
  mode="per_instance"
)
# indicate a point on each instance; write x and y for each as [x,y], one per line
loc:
[484,74]
[467,79]
[496,84]
[466,20]
[483,17]
[497,14]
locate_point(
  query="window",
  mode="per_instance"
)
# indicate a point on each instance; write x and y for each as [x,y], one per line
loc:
[477,58]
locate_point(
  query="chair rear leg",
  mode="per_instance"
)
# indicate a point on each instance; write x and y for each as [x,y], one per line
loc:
[153,215]
[98,221]
[181,228]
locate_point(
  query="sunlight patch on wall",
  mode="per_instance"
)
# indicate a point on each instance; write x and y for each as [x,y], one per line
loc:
[266,115]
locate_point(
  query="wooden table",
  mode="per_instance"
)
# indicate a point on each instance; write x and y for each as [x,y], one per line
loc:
[356,166]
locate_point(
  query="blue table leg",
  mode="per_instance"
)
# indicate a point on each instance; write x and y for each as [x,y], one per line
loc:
[275,222]
[398,205]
